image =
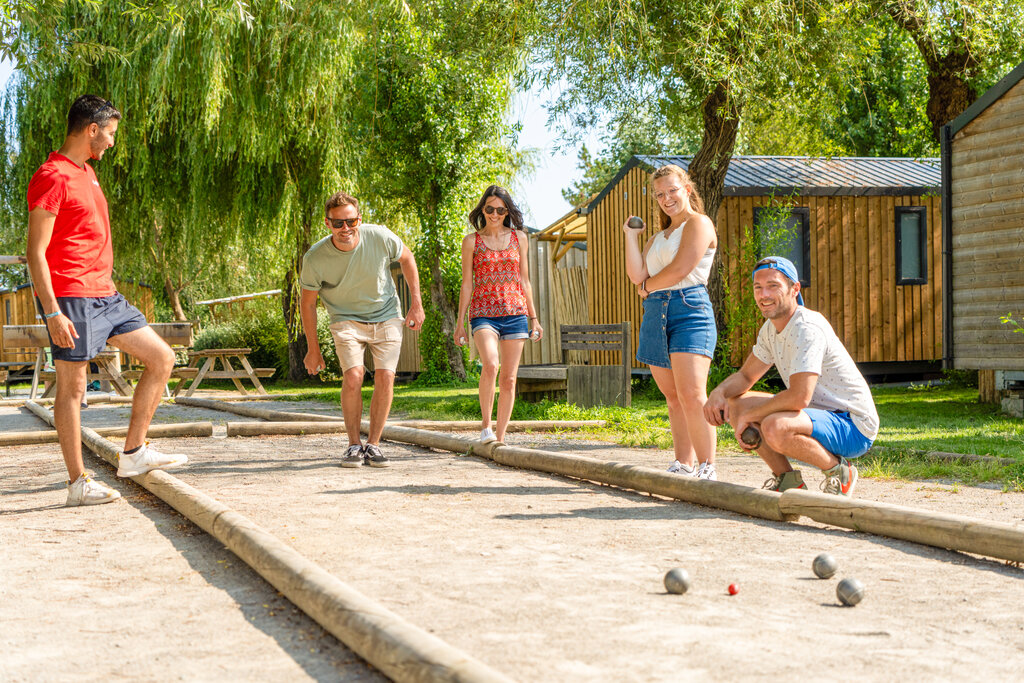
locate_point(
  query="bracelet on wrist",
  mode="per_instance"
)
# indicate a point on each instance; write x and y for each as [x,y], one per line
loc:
[47,316]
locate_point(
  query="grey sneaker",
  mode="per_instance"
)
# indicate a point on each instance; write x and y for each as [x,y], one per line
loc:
[353,456]
[374,458]
[679,468]
[840,479]
[787,480]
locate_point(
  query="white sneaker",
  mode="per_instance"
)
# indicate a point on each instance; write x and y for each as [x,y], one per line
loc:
[487,435]
[679,468]
[85,491]
[146,459]
[706,470]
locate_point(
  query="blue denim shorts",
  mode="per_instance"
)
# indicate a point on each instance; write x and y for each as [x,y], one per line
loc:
[96,319]
[676,321]
[836,433]
[505,326]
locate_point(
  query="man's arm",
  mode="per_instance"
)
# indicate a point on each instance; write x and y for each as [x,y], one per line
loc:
[40,232]
[716,409]
[314,360]
[793,399]
[414,318]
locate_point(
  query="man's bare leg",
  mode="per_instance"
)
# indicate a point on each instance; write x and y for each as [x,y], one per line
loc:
[67,413]
[352,402]
[158,359]
[790,433]
[380,403]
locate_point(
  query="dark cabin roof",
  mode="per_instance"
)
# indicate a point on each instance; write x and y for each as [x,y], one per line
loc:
[982,103]
[751,176]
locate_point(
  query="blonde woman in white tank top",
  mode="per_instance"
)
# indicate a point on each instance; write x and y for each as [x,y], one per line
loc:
[677,333]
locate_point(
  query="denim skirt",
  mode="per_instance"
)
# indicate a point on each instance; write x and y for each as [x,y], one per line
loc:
[676,321]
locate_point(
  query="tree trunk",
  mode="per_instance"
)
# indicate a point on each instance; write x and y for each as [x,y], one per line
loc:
[439,298]
[297,346]
[707,169]
[174,298]
[949,92]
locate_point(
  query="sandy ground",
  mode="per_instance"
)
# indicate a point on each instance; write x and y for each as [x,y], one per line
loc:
[542,577]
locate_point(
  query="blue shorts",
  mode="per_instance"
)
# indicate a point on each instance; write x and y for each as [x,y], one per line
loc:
[96,319]
[676,321]
[837,434]
[505,326]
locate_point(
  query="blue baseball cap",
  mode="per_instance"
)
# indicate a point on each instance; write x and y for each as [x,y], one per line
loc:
[784,266]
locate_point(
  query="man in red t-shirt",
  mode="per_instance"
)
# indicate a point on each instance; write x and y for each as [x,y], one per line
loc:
[71,259]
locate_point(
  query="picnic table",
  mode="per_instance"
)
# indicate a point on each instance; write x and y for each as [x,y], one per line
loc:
[209,358]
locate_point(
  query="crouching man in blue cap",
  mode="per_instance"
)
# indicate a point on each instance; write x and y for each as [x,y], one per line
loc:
[824,416]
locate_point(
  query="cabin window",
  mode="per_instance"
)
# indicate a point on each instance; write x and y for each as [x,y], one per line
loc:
[911,245]
[786,233]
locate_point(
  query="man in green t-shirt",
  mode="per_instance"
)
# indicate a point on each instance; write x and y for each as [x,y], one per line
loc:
[350,270]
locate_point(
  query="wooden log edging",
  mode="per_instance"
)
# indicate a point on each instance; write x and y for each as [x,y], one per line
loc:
[992,539]
[199,429]
[253,411]
[944,456]
[954,532]
[718,494]
[397,648]
[299,428]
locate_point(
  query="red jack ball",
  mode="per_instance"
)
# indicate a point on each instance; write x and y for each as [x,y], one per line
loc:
[733,589]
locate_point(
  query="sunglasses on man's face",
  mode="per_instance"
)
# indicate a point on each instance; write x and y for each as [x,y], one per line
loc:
[339,223]
[500,210]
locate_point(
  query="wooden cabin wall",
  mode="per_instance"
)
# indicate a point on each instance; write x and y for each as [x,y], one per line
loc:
[853,268]
[987,176]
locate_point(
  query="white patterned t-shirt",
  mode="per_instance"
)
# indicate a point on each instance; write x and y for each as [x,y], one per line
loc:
[809,344]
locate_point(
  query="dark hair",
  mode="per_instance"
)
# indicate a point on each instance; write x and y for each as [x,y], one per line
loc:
[340,199]
[513,218]
[696,203]
[90,109]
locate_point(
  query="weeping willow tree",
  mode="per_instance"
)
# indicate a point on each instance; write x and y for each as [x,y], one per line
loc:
[437,78]
[232,137]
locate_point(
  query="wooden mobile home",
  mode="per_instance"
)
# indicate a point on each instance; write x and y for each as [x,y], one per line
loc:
[983,236]
[866,242]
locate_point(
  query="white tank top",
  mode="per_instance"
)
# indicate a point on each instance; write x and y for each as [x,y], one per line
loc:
[663,250]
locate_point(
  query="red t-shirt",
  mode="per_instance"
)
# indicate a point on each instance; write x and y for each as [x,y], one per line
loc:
[80,255]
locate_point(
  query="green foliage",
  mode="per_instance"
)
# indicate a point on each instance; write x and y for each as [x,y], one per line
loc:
[742,317]
[1008,319]
[960,379]
[262,332]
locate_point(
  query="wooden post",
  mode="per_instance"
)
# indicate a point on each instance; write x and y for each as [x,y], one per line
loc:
[399,649]
[301,428]
[252,411]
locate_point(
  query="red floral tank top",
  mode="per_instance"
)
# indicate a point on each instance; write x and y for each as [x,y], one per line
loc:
[497,287]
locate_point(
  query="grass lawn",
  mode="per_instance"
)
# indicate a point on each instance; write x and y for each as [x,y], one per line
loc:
[932,418]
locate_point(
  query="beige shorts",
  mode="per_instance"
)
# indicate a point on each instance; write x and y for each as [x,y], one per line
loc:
[384,339]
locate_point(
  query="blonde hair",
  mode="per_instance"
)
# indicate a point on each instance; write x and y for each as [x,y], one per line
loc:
[696,203]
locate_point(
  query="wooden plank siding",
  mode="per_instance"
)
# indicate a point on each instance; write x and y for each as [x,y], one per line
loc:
[853,268]
[987,207]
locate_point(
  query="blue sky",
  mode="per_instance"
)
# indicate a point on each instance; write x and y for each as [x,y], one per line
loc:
[539,195]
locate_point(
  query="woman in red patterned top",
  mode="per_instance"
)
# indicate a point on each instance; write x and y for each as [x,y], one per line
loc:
[496,290]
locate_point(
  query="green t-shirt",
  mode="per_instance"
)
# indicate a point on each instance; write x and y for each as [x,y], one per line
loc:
[355,285]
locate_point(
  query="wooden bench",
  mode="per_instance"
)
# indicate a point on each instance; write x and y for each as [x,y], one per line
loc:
[108,366]
[584,384]
[209,358]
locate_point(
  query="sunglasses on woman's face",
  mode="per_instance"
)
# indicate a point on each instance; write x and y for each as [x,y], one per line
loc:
[500,210]
[339,223]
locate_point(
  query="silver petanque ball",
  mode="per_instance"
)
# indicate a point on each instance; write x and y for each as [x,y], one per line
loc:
[850,592]
[825,566]
[677,581]
[635,223]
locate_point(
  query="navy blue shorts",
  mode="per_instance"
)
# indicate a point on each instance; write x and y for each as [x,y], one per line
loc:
[505,326]
[96,319]
[676,321]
